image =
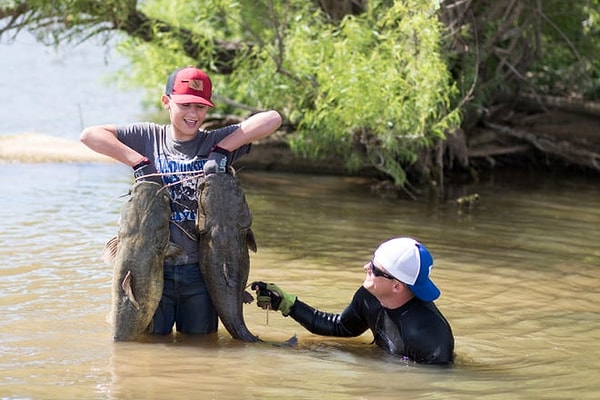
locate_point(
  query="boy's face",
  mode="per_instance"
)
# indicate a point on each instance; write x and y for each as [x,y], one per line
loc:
[186,118]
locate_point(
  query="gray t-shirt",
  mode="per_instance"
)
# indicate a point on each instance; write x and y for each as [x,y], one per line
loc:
[173,157]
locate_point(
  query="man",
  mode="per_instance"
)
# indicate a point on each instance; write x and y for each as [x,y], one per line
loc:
[171,154]
[395,302]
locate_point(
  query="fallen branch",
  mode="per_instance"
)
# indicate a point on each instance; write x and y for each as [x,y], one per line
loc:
[577,106]
[563,149]
[491,151]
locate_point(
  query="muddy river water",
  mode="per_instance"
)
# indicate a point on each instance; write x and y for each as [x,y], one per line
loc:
[518,273]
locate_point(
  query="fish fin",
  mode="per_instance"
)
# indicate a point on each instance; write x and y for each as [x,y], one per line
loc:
[175,253]
[110,250]
[227,276]
[174,250]
[126,285]
[247,297]
[251,240]
[292,342]
[200,220]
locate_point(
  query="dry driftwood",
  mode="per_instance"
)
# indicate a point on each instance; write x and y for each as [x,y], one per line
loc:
[577,106]
[570,151]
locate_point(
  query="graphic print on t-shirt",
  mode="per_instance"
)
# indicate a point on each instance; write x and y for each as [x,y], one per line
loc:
[181,181]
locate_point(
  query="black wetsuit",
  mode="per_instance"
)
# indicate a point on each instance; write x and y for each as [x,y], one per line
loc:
[417,330]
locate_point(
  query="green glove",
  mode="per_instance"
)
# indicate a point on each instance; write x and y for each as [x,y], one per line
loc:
[270,296]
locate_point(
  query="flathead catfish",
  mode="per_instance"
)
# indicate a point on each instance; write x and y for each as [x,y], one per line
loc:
[139,251]
[223,223]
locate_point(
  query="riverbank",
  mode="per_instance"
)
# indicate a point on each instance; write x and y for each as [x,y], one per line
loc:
[267,155]
[39,148]
[556,140]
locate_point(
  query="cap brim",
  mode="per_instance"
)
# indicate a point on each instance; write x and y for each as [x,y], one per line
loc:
[190,99]
[426,291]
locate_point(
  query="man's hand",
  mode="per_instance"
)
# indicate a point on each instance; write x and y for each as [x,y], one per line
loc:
[270,296]
[146,171]
[216,162]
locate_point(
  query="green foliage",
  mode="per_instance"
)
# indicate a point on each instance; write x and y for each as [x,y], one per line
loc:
[369,89]
[372,90]
[383,76]
[569,63]
[549,47]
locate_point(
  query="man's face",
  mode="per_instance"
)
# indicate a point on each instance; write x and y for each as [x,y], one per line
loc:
[378,281]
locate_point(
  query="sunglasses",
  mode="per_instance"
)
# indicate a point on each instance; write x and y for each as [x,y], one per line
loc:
[377,272]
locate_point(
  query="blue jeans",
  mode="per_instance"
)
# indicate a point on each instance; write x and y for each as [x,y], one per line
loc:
[185,302]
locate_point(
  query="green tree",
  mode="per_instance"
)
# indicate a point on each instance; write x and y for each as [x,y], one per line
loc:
[363,81]
[372,88]
[368,87]
[568,65]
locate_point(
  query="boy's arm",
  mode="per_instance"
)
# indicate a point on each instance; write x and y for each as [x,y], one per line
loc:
[103,139]
[254,128]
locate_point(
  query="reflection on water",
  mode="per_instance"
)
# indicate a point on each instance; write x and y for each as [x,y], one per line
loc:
[518,275]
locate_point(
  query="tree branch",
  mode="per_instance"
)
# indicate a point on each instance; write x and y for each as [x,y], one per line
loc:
[101,18]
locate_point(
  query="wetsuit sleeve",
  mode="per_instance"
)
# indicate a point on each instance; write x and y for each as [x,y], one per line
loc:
[349,323]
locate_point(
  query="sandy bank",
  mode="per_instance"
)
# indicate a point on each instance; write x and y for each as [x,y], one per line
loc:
[39,148]
[267,155]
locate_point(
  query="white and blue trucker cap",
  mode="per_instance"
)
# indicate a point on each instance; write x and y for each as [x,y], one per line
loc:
[410,262]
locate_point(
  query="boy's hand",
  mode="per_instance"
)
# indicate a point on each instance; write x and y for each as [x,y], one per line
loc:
[146,171]
[216,162]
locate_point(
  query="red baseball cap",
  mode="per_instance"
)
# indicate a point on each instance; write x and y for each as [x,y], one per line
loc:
[189,85]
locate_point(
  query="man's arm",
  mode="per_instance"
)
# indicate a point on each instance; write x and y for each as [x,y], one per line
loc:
[347,324]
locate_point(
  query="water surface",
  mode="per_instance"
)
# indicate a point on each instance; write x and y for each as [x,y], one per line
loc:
[518,275]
